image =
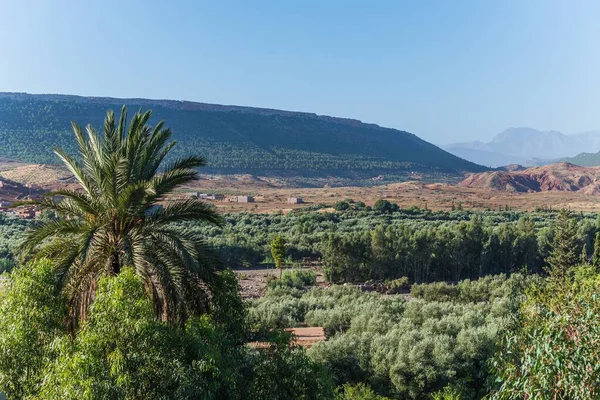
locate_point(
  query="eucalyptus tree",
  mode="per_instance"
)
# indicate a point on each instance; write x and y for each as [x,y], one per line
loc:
[118,217]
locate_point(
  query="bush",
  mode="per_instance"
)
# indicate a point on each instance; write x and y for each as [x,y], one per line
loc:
[396,286]
[437,291]
[359,391]
[295,278]
[341,206]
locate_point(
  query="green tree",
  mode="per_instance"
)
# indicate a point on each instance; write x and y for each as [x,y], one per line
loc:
[278,253]
[564,253]
[596,254]
[384,206]
[32,314]
[341,205]
[549,349]
[117,220]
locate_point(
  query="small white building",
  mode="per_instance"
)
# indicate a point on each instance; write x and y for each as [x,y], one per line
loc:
[295,200]
[211,196]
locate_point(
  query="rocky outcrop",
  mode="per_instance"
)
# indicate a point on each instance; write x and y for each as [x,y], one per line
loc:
[563,177]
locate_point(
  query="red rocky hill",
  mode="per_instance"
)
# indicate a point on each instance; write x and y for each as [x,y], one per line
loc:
[553,177]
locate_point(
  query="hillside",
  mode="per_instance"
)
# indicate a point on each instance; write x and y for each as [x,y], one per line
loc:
[526,146]
[234,139]
[563,177]
[585,159]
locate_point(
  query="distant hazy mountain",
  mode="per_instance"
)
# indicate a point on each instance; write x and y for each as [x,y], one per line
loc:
[234,139]
[526,146]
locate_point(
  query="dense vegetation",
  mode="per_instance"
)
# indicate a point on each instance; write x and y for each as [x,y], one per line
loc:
[361,243]
[233,139]
[122,351]
[401,349]
[550,349]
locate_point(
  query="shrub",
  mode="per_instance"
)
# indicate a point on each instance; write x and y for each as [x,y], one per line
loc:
[359,391]
[437,291]
[398,285]
[341,205]
[295,278]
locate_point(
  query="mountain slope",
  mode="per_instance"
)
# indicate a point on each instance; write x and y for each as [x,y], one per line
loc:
[553,177]
[526,146]
[234,139]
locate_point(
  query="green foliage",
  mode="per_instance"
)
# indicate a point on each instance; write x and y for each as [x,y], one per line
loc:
[565,247]
[116,220]
[360,245]
[398,285]
[122,351]
[32,314]
[402,349]
[341,206]
[486,289]
[360,391]
[295,278]
[451,392]
[286,372]
[596,254]
[551,347]
[278,251]
[384,206]
[235,139]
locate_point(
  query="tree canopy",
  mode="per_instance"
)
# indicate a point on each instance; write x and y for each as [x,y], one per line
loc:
[117,219]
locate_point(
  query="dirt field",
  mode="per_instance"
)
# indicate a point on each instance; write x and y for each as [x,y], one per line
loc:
[407,194]
[253,281]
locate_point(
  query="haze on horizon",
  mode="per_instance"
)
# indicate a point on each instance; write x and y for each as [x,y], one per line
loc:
[446,71]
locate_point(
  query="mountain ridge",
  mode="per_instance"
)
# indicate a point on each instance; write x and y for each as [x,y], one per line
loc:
[235,139]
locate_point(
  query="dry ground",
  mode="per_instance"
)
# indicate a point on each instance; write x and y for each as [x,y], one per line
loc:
[271,193]
[253,281]
[407,194]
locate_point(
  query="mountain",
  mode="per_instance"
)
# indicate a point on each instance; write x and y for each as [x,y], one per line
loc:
[234,139]
[563,177]
[526,146]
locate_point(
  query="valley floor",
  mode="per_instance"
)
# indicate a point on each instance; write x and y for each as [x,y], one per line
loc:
[406,195]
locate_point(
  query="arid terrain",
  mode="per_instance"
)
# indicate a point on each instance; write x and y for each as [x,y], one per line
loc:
[562,177]
[554,186]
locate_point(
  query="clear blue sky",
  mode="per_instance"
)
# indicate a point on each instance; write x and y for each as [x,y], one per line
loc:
[444,70]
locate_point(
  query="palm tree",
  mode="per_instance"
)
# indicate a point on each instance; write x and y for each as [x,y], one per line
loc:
[116,220]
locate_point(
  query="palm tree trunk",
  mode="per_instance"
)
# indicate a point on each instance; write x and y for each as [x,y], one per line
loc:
[115,264]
